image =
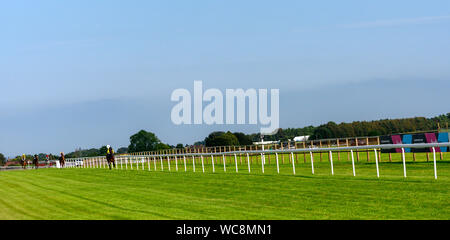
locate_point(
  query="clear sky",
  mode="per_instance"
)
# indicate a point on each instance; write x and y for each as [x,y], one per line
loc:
[91,73]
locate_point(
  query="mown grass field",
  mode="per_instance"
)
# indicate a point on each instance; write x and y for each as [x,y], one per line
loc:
[137,194]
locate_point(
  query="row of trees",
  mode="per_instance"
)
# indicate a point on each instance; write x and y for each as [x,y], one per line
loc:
[227,139]
[142,141]
[148,141]
[333,130]
[380,127]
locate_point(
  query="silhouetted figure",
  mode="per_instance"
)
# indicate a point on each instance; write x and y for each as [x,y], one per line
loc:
[110,157]
[36,161]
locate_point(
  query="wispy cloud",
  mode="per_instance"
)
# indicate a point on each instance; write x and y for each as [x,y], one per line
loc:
[396,22]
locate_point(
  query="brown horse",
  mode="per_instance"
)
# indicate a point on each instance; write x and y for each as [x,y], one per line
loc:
[62,160]
[36,161]
[110,157]
[24,161]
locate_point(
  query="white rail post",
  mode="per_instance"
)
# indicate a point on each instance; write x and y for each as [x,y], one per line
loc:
[176,163]
[137,163]
[184,158]
[353,163]
[248,162]
[154,163]
[121,166]
[404,162]
[376,163]
[434,162]
[293,164]
[148,163]
[104,163]
[193,162]
[162,165]
[203,165]
[131,162]
[235,160]
[278,166]
[224,167]
[212,160]
[331,161]
[168,161]
[143,160]
[126,163]
[312,162]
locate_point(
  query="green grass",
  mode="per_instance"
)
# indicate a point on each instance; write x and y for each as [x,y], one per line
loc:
[137,194]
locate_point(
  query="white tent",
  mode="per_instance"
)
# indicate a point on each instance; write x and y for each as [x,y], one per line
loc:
[301,138]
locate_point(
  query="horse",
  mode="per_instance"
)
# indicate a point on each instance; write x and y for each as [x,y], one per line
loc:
[62,160]
[36,161]
[110,157]
[24,163]
[111,160]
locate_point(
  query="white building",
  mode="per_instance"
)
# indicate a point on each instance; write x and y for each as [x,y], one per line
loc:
[301,138]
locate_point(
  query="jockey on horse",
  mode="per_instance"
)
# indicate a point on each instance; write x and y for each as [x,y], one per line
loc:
[36,161]
[110,157]
[62,160]
[23,161]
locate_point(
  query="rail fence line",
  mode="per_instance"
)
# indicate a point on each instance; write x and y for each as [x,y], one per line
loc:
[122,161]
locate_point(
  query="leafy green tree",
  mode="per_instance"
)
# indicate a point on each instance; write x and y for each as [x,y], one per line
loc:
[199,143]
[162,146]
[180,146]
[243,139]
[103,150]
[122,150]
[221,139]
[145,141]
[2,159]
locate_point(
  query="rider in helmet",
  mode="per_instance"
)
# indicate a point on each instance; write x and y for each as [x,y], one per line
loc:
[62,160]
[110,156]
[24,160]
[36,161]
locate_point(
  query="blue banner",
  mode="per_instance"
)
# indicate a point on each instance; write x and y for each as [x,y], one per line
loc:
[443,137]
[407,139]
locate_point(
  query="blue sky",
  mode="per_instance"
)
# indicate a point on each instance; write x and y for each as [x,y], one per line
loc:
[91,73]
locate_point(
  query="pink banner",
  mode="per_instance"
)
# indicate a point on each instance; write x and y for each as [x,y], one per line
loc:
[431,138]
[397,139]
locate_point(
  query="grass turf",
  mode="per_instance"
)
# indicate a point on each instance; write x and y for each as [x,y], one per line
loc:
[136,194]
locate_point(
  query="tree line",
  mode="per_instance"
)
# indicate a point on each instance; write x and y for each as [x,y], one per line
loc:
[333,130]
[147,141]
